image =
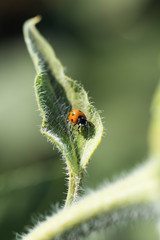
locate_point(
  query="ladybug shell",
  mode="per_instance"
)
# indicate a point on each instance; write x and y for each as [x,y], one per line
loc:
[74,116]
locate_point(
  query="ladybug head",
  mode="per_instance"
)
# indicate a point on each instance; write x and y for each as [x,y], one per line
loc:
[82,122]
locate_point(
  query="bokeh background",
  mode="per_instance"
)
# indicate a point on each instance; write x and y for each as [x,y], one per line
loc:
[113,48]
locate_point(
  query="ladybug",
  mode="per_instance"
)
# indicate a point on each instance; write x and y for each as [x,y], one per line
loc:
[77,117]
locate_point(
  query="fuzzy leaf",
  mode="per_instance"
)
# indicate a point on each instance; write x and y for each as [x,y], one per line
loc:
[57,95]
[123,199]
[154,130]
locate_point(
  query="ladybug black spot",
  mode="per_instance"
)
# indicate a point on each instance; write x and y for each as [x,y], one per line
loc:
[72,119]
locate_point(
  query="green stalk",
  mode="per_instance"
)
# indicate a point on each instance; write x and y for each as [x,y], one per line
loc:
[73,189]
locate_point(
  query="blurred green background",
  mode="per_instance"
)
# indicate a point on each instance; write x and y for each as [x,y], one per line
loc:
[113,48]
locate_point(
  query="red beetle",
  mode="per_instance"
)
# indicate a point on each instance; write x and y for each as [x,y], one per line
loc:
[77,117]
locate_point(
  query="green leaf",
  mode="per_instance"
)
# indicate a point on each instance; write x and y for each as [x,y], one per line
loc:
[154,130]
[56,95]
[102,208]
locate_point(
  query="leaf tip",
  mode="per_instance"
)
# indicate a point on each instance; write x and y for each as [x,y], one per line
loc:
[37,19]
[31,22]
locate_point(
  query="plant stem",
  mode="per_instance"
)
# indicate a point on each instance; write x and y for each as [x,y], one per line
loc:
[142,186]
[73,188]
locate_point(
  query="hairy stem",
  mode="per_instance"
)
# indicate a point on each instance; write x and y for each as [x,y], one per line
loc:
[73,188]
[140,187]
